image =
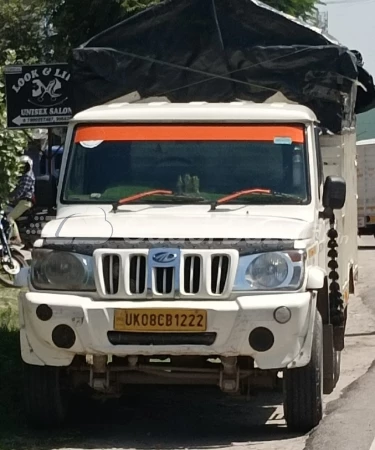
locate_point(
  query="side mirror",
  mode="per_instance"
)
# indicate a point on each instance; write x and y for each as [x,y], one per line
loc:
[315,278]
[334,193]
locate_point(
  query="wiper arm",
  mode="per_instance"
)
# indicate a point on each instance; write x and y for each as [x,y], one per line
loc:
[132,198]
[255,191]
[169,194]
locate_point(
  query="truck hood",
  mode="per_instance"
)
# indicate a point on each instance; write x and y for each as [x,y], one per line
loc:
[181,222]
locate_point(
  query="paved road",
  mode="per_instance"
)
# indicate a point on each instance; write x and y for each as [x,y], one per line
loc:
[354,413]
[170,418]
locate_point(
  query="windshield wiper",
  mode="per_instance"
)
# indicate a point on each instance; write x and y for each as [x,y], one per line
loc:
[256,191]
[171,196]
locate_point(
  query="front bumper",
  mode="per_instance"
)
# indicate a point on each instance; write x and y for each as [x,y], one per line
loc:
[232,321]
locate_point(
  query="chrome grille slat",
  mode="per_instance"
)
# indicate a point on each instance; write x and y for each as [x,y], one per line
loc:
[137,280]
[137,274]
[192,274]
[219,273]
[192,266]
[111,270]
[111,274]
[164,281]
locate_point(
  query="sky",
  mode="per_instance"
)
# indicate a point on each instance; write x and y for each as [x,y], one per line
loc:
[352,22]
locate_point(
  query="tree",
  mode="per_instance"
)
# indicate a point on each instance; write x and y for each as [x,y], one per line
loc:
[74,22]
[12,143]
[297,8]
[22,28]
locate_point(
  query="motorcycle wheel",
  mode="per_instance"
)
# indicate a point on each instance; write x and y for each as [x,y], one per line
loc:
[7,273]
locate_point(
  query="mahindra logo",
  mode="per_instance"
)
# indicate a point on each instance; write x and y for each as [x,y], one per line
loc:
[164,257]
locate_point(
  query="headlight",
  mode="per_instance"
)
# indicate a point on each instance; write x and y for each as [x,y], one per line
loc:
[267,271]
[62,271]
[270,271]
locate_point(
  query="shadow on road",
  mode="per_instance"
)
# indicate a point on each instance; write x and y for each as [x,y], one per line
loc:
[144,418]
[163,418]
[370,333]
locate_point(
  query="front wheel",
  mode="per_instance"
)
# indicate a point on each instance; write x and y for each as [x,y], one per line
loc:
[10,268]
[303,388]
[45,397]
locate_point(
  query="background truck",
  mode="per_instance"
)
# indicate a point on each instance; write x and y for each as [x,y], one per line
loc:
[207,237]
[366,187]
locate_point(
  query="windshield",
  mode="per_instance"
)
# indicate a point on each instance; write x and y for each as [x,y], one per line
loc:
[108,163]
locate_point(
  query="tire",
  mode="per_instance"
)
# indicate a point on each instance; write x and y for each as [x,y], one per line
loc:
[303,388]
[6,278]
[332,361]
[45,401]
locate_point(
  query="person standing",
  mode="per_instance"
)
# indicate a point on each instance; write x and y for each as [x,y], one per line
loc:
[21,198]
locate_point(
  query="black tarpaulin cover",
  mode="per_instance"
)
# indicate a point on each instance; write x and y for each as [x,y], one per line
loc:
[220,51]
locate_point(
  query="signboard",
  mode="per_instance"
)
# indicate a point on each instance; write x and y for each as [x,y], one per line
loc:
[38,96]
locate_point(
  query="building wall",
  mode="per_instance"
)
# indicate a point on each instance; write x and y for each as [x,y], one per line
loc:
[366,125]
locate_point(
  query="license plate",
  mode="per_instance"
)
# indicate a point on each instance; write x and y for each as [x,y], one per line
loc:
[156,320]
[361,222]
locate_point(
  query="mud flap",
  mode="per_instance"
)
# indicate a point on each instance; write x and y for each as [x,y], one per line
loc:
[328,359]
[339,338]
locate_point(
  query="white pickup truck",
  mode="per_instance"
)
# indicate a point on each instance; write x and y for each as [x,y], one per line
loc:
[194,244]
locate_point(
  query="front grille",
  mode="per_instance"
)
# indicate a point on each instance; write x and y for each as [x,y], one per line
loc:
[111,273]
[137,274]
[164,278]
[219,273]
[124,338]
[192,274]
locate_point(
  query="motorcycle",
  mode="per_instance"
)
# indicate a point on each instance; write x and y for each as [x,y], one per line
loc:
[43,209]
[11,259]
[30,224]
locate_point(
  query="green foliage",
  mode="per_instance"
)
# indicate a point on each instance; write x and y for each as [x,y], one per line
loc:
[12,143]
[133,6]
[297,8]
[22,28]
[43,30]
[74,22]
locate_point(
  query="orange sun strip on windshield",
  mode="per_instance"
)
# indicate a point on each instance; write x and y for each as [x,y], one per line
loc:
[190,133]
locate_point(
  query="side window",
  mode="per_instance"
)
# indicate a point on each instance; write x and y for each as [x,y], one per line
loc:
[319,159]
